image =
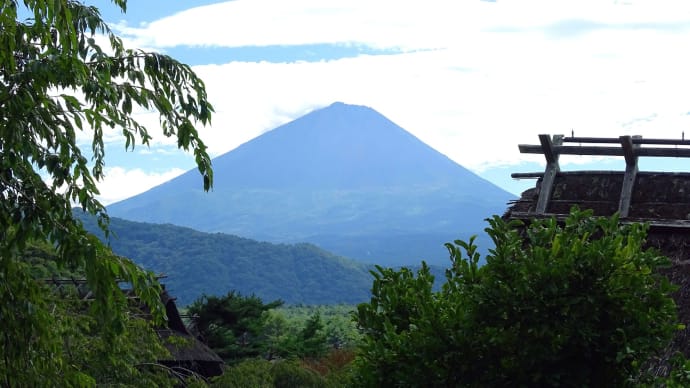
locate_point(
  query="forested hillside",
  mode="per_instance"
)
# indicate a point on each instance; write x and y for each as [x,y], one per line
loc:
[214,263]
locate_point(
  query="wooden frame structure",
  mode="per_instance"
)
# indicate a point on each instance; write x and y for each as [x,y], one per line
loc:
[80,284]
[630,147]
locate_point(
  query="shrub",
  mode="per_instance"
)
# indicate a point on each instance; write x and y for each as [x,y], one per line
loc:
[573,304]
[250,373]
[259,373]
[290,374]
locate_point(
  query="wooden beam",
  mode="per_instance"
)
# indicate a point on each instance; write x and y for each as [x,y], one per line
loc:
[552,168]
[629,152]
[635,139]
[596,140]
[526,175]
[640,140]
[607,151]
[547,149]
[572,150]
[665,152]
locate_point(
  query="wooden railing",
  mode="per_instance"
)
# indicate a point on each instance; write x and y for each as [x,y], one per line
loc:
[630,147]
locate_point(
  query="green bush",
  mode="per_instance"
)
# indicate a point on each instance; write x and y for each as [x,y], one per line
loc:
[290,374]
[258,373]
[250,373]
[573,304]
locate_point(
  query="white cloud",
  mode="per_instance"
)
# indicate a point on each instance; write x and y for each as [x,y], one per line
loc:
[386,23]
[476,117]
[406,24]
[120,183]
[487,77]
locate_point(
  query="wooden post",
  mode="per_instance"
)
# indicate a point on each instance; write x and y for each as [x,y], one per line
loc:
[630,174]
[552,168]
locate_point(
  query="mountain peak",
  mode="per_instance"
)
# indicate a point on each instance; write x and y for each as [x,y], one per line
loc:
[342,105]
[348,114]
[340,146]
[343,171]
[339,104]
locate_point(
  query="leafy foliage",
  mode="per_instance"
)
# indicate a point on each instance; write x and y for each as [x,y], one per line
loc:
[578,304]
[86,353]
[120,360]
[57,85]
[678,377]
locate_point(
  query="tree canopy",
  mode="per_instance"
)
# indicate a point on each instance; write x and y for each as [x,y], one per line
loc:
[66,80]
[232,325]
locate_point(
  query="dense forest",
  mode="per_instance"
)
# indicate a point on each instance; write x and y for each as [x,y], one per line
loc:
[197,263]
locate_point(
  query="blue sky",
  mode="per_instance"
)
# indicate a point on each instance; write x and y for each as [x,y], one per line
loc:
[471,78]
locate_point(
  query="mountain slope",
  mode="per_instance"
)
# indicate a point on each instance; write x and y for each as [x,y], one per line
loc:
[343,177]
[215,263]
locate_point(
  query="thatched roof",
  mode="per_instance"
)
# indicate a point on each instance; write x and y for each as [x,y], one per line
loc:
[184,347]
[187,352]
[656,196]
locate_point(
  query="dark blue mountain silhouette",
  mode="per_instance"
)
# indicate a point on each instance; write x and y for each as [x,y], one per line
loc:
[343,177]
